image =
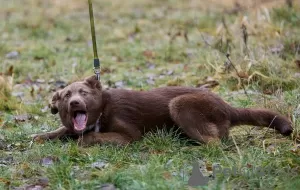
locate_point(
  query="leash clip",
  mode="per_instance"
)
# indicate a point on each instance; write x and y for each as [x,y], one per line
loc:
[97,68]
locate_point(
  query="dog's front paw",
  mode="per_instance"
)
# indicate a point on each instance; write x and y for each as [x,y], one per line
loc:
[87,139]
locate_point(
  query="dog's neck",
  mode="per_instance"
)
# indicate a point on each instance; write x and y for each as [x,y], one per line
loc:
[95,127]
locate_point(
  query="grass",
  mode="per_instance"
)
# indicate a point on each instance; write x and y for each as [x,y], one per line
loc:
[143,45]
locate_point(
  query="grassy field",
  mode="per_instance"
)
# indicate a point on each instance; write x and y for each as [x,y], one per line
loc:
[145,44]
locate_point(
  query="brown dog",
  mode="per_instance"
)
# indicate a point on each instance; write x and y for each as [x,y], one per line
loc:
[124,116]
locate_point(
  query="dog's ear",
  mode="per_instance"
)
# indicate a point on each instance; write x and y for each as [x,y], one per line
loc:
[54,102]
[93,82]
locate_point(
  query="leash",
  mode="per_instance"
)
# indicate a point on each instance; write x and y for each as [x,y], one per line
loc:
[96,59]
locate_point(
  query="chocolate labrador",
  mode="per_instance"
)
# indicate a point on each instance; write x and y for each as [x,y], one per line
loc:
[122,116]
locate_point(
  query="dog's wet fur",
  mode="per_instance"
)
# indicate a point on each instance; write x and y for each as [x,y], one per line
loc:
[125,116]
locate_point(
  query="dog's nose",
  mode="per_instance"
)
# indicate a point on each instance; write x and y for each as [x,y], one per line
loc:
[74,103]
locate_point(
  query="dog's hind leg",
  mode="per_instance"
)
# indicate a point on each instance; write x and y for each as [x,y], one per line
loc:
[190,112]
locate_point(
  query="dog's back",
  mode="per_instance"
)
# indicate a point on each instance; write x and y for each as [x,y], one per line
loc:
[142,108]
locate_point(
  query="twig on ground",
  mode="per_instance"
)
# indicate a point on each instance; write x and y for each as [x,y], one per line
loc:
[228,58]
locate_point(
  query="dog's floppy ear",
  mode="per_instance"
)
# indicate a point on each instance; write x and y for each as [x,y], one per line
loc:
[93,82]
[54,102]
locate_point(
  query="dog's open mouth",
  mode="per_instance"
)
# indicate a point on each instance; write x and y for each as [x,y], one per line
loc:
[79,120]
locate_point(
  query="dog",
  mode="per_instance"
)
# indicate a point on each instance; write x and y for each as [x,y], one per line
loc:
[122,116]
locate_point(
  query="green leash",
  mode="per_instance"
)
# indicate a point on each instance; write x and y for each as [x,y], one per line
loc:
[96,59]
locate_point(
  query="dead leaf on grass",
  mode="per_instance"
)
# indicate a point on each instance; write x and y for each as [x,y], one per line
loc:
[5,181]
[107,186]
[167,175]
[149,54]
[100,164]
[209,167]
[297,62]
[22,118]
[12,55]
[150,65]
[48,161]
[277,49]
[296,149]
[39,185]
[6,161]
[209,82]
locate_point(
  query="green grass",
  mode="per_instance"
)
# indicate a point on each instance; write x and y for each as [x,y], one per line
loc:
[147,44]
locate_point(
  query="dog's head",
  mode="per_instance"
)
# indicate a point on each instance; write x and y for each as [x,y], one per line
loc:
[78,104]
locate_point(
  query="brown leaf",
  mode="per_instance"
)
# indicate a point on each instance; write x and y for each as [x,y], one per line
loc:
[5,181]
[296,149]
[297,62]
[156,152]
[209,82]
[209,167]
[32,92]
[243,75]
[149,54]
[166,175]
[10,71]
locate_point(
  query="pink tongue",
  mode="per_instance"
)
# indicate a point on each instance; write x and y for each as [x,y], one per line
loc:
[80,121]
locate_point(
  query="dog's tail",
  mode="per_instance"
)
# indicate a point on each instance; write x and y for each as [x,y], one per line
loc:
[261,117]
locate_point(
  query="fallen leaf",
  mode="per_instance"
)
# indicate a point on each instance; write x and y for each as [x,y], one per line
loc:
[296,149]
[277,49]
[107,186]
[48,161]
[99,164]
[297,62]
[5,181]
[149,54]
[167,175]
[209,167]
[22,118]
[157,152]
[243,75]
[6,160]
[150,65]
[44,181]
[12,55]
[271,149]
[30,187]
[209,82]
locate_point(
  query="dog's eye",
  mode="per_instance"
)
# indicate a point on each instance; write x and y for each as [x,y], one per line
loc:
[67,95]
[84,93]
